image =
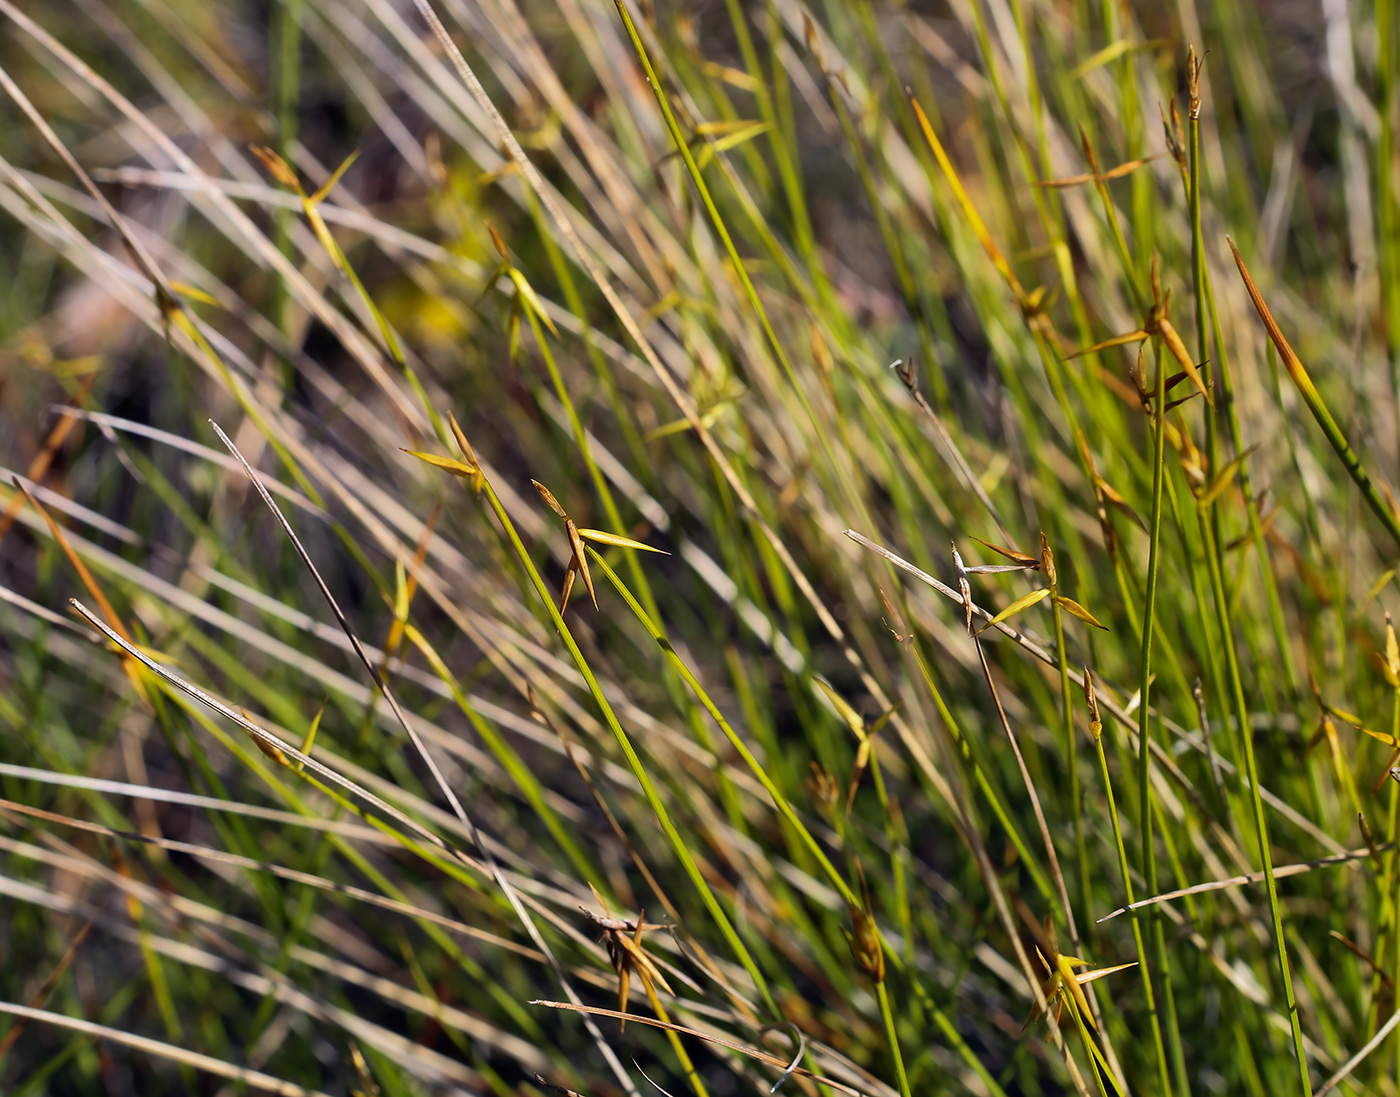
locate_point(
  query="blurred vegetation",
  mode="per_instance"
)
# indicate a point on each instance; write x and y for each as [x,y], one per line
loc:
[819,802]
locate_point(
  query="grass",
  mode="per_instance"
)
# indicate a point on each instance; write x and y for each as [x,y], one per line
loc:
[390,773]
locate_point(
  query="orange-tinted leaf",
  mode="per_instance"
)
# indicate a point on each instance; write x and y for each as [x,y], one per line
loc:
[1021,558]
[277,167]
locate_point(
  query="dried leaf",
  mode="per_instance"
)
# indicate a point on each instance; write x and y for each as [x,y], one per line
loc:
[277,167]
[1021,559]
[550,501]
[568,587]
[498,242]
[1178,349]
[581,561]
[963,588]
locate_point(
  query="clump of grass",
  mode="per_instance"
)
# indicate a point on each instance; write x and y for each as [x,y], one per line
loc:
[794,799]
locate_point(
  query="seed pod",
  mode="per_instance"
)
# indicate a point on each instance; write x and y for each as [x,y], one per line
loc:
[1092,704]
[1047,560]
[865,944]
[1392,654]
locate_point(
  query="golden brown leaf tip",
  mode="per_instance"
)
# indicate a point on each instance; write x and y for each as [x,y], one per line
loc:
[1047,560]
[1069,605]
[1091,703]
[1014,555]
[277,167]
[864,935]
[550,501]
[496,240]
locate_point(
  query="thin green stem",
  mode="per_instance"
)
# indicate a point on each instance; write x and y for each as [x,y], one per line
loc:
[1149,857]
[1261,824]
[893,1037]
[683,854]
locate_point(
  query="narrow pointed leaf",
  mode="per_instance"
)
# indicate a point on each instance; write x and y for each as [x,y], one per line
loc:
[602,537]
[329,185]
[1224,478]
[568,586]
[1069,605]
[550,501]
[843,708]
[1116,341]
[1024,602]
[581,560]
[1022,559]
[1171,337]
[527,293]
[1303,382]
[447,464]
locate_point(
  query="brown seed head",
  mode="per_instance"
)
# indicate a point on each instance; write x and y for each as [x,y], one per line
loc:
[1092,704]
[825,787]
[864,939]
[1047,560]
[1194,65]
[550,501]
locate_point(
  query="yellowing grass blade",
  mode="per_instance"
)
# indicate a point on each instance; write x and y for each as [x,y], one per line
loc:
[843,708]
[1313,399]
[1224,478]
[1069,605]
[184,289]
[602,537]
[1117,341]
[527,293]
[1021,603]
[329,185]
[969,210]
[447,464]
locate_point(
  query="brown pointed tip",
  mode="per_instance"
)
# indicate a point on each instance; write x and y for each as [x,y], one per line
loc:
[548,497]
[496,239]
